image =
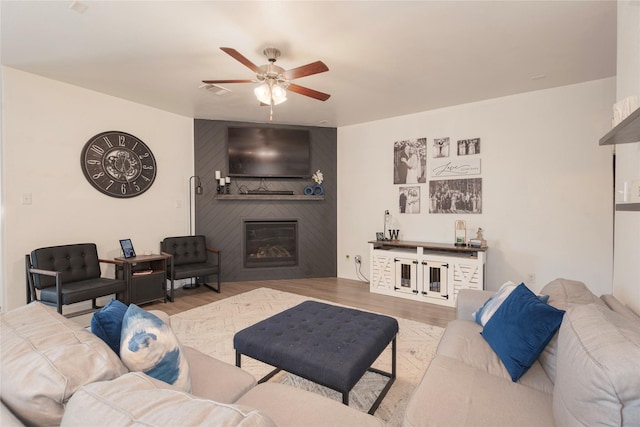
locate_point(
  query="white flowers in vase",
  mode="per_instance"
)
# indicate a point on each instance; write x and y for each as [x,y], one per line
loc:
[318,177]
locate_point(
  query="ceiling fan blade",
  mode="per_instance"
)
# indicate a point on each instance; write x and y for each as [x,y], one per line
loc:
[240,58]
[226,81]
[305,70]
[308,92]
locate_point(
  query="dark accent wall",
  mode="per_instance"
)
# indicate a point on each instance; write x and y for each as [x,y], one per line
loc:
[221,220]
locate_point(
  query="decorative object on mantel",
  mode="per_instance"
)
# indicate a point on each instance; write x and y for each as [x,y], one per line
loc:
[394,234]
[460,233]
[317,189]
[224,184]
[387,218]
[479,241]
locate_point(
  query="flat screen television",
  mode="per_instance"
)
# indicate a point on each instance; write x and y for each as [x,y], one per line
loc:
[259,152]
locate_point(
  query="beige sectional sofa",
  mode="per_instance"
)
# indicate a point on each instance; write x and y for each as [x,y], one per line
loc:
[588,374]
[55,372]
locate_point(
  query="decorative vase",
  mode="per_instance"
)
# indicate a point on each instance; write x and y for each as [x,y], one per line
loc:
[318,190]
[308,190]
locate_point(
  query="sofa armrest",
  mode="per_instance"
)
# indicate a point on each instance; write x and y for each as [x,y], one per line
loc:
[469,300]
[216,380]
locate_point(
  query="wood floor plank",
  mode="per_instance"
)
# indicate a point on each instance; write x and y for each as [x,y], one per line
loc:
[342,291]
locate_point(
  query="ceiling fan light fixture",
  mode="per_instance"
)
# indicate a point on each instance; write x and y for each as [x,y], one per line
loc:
[278,94]
[263,93]
[270,93]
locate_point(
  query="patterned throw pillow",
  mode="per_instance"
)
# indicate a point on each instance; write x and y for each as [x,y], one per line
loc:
[149,345]
[484,313]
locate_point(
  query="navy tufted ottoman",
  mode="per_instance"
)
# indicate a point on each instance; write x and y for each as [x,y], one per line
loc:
[329,345]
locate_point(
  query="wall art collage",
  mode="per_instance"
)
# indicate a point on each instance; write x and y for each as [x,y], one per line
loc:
[451,169]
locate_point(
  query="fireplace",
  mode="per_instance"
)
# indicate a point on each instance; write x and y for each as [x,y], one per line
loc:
[270,243]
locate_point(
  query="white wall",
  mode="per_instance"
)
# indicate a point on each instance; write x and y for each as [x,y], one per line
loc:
[547,202]
[626,274]
[46,125]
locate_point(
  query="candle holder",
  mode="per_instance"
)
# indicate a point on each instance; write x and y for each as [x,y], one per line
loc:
[220,189]
[227,189]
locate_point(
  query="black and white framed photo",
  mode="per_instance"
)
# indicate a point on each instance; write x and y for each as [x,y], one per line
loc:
[440,147]
[455,196]
[409,200]
[468,147]
[410,161]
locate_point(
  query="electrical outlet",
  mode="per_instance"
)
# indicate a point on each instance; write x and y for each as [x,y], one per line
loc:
[358,259]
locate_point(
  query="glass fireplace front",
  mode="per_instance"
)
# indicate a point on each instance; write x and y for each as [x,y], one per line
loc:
[270,243]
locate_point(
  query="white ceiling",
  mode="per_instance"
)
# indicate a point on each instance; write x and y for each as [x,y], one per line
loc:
[385,58]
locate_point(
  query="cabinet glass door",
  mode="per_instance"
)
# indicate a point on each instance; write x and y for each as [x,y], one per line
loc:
[406,275]
[434,279]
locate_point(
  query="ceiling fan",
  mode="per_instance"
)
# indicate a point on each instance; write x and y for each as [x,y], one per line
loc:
[276,80]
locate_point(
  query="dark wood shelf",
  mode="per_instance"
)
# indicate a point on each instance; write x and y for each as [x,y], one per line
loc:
[445,247]
[630,207]
[268,197]
[627,131]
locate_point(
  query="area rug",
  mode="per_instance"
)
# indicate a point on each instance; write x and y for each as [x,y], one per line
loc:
[211,328]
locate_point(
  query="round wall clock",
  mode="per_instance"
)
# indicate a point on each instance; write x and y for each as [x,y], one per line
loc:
[118,164]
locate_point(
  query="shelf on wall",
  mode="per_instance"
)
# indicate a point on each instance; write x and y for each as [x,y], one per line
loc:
[631,207]
[269,197]
[627,131]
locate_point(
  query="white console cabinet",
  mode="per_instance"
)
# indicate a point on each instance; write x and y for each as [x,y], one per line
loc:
[429,272]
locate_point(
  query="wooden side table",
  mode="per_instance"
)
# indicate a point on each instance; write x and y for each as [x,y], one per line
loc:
[146,277]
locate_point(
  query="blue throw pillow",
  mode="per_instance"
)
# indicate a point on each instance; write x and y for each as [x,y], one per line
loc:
[107,323]
[484,313]
[520,329]
[149,345]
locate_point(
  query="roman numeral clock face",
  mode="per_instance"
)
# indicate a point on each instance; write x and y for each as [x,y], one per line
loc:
[118,164]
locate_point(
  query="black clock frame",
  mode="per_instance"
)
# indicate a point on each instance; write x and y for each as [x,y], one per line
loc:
[118,164]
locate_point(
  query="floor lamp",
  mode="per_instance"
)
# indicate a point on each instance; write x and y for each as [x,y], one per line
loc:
[198,191]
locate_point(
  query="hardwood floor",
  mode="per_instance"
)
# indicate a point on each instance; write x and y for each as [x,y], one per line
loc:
[342,291]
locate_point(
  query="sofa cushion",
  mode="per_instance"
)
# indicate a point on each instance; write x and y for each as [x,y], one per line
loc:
[598,378]
[107,323]
[520,329]
[453,393]
[563,293]
[290,406]
[462,341]
[45,359]
[614,304]
[150,346]
[137,399]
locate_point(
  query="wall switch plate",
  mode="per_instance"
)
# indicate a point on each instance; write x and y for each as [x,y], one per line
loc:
[26,199]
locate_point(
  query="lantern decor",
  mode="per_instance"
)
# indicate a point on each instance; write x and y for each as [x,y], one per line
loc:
[460,233]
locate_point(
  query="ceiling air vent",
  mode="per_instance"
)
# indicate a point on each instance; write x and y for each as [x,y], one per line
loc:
[215,89]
